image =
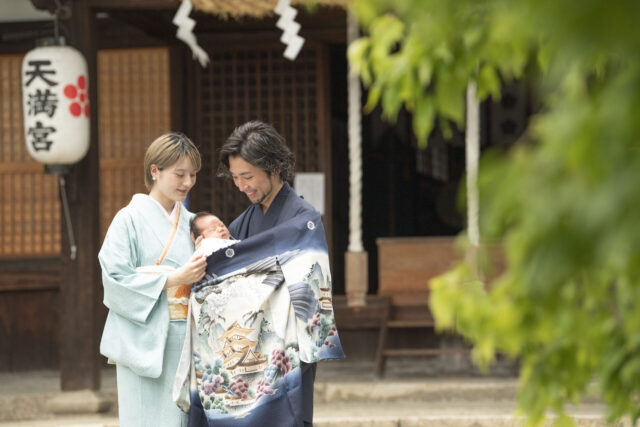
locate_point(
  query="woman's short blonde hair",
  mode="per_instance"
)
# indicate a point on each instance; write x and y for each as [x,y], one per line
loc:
[166,150]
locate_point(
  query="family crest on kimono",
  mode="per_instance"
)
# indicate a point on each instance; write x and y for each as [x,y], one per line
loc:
[262,316]
[148,267]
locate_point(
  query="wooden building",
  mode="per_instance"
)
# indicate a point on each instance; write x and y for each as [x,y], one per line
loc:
[143,82]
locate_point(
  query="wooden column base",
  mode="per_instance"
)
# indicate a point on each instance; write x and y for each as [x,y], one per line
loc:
[356,278]
[78,402]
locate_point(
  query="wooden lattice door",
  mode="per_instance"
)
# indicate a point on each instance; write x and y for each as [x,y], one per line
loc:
[134,108]
[30,213]
[254,81]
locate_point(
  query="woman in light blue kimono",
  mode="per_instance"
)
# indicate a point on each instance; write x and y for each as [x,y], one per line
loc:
[147,254]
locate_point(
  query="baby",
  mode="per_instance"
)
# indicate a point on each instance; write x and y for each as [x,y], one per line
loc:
[207,225]
[209,234]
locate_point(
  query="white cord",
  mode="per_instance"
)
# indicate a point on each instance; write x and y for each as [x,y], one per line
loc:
[355,148]
[67,217]
[472,157]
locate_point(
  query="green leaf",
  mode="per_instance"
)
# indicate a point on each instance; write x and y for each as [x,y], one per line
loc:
[423,120]
[445,127]
[544,56]
[472,35]
[391,102]
[488,83]
[372,99]
[425,71]
[366,11]
[450,98]
[443,53]
[564,204]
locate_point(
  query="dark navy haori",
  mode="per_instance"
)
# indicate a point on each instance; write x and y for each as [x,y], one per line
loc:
[259,321]
[286,205]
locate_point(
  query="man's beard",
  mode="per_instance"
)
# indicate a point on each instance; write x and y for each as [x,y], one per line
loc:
[264,196]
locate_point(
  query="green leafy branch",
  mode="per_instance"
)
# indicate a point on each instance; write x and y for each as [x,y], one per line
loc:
[563,205]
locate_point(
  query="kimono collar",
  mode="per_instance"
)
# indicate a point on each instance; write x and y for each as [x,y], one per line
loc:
[155,214]
[174,212]
[279,199]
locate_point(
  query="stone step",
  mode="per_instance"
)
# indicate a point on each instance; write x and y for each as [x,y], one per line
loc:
[422,390]
[385,398]
[355,419]
[345,395]
[376,413]
[28,405]
[447,421]
[457,413]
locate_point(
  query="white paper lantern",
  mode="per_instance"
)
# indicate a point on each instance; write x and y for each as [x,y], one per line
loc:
[55,95]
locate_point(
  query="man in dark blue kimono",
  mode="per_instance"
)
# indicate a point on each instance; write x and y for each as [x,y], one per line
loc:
[256,157]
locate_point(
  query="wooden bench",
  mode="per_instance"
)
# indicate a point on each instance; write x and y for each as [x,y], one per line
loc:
[373,315]
[405,266]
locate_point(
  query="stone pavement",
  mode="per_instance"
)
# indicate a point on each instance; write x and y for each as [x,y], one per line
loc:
[347,394]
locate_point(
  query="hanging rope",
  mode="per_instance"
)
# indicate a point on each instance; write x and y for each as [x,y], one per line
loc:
[355,148]
[472,156]
[67,217]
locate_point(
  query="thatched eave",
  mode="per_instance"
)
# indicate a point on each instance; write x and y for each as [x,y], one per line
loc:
[254,8]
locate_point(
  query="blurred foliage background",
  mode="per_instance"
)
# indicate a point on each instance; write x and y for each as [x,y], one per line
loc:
[564,203]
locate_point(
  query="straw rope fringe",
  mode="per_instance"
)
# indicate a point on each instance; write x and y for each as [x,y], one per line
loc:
[252,8]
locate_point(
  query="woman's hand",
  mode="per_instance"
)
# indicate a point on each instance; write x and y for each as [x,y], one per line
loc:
[198,241]
[192,271]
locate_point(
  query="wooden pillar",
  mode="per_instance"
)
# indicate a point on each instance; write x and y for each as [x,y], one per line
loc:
[80,287]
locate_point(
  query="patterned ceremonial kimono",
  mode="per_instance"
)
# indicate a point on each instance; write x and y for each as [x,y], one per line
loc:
[285,206]
[262,309]
[138,334]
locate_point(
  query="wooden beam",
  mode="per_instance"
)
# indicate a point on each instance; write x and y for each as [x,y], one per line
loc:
[48,5]
[80,289]
[133,4]
[19,37]
[33,264]
[154,24]
[33,282]
[29,274]
[114,34]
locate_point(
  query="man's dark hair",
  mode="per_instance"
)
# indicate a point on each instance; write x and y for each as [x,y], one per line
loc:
[259,144]
[192,223]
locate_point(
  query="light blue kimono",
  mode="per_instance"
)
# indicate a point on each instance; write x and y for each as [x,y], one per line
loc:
[138,335]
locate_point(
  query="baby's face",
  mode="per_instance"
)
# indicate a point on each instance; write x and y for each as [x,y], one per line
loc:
[211,226]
